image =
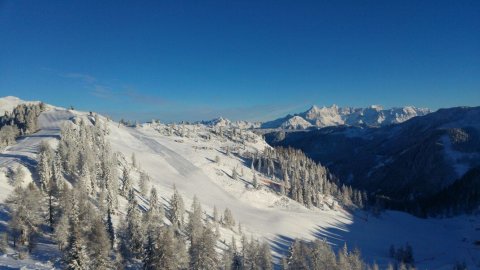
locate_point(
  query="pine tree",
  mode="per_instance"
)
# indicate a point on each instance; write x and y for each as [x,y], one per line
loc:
[177,209]
[126,182]
[99,246]
[26,214]
[237,258]
[3,243]
[110,228]
[154,214]
[166,252]
[234,174]
[343,260]
[45,165]
[228,220]
[76,257]
[182,259]
[132,238]
[152,257]
[195,225]
[203,254]
[227,259]
[265,257]
[297,258]
[108,177]
[255,181]
[322,256]
[143,183]
[53,193]
[134,161]
[216,218]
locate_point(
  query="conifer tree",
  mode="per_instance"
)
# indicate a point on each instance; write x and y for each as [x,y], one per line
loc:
[76,257]
[143,183]
[99,246]
[126,182]
[132,238]
[228,220]
[26,214]
[177,209]
[195,225]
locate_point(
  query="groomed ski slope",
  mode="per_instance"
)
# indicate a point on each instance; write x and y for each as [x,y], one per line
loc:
[189,164]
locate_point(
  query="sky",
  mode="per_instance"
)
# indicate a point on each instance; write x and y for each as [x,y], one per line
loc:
[252,60]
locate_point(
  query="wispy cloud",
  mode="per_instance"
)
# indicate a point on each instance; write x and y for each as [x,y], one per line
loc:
[175,112]
[147,105]
[84,77]
[101,91]
[104,90]
[143,98]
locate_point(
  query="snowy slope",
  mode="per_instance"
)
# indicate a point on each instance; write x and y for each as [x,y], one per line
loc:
[296,122]
[8,103]
[189,163]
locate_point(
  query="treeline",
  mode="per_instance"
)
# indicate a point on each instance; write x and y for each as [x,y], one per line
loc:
[21,121]
[302,179]
[319,255]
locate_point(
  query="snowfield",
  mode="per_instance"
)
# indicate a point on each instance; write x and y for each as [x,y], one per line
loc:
[189,163]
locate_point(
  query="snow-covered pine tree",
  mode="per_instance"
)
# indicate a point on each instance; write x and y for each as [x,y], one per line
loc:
[26,214]
[152,256]
[134,161]
[3,243]
[167,252]
[216,218]
[204,255]
[110,228]
[195,225]
[99,246]
[265,257]
[234,174]
[228,220]
[177,209]
[44,167]
[132,236]
[76,257]
[126,182]
[154,215]
[143,183]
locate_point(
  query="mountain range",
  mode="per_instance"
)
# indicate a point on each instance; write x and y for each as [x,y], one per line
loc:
[406,162]
[320,117]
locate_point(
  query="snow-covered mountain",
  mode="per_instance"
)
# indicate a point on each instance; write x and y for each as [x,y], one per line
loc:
[224,122]
[8,103]
[295,122]
[416,159]
[334,116]
[200,161]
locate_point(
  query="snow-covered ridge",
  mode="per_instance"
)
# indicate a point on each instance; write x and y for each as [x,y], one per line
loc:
[8,103]
[374,115]
[223,122]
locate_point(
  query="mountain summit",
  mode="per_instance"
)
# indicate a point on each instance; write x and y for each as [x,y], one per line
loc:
[334,115]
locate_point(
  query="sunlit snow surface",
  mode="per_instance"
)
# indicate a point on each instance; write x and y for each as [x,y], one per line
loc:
[189,164]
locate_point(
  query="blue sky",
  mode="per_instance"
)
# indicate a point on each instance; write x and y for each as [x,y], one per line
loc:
[253,60]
